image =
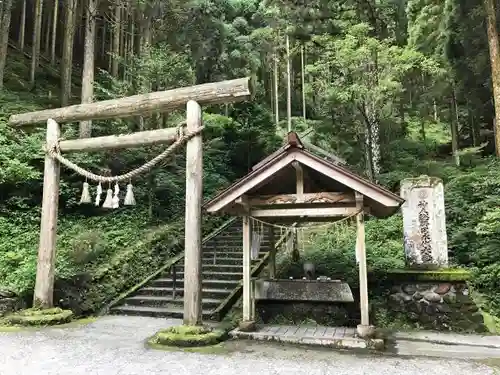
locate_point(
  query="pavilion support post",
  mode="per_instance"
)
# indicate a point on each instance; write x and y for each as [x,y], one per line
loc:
[247,323]
[44,284]
[364,329]
[272,253]
[194,188]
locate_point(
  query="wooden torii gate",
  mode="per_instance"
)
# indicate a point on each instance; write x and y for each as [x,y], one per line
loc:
[192,97]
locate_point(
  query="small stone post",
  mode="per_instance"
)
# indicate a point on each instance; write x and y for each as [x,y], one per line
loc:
[424,223]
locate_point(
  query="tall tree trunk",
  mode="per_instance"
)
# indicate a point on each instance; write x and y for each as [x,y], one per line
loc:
[494,48]
[116,38]
[37,36]
[288,85]
[374,139]
[48,28]
[67,56]
[88,64]
[54,32]
[303,78]
[276,88]
[454,128]
[22,26]
[145,53]
[4,34]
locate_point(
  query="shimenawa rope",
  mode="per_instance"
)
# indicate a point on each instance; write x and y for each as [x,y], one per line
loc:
[55,153]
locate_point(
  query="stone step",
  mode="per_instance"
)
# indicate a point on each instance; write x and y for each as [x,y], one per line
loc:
[211,284]
[215,275]
[210,267]
[157,312]
[231,242]
[168,301]
[223,267]
[216,293]
[222,254]
[223,260]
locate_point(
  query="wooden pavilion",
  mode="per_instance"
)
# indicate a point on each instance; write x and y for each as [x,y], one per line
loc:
[293,185]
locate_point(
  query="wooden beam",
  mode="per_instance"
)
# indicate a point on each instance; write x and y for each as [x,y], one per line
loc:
[247,262]
[209,93]
[192,243]
[44,284]
[361,251]
[243,202]
[299,181]
[145,138]
[324,197]
[306,212]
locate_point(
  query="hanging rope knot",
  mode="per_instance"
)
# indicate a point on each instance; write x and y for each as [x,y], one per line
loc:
[180,130]
[54,151]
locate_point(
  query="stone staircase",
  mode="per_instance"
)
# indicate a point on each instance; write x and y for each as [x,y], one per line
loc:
[222,267]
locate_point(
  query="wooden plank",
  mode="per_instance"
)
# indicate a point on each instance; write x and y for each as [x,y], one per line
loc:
[145,138]
[209,93]
[304,212]
[272,329]
[330,332]
[320,332]
[323,197]
[349,332]
[363,279]
[194,191]
[301,331]
[283,330]
[44,284]
[247,262]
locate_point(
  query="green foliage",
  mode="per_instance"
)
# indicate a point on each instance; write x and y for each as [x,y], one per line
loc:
[332,250]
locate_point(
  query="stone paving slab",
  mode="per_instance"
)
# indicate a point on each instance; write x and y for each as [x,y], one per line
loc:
[449,338]
[337,337]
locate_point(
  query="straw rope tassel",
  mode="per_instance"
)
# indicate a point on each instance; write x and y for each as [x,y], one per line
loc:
[85,198]
[129,196]
[108,202]
[116,198]
[98,195]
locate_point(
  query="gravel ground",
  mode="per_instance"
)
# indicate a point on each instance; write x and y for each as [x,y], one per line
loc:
[114,345]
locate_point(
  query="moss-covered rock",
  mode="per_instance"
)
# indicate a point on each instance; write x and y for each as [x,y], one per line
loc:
[187,336]
[40,317]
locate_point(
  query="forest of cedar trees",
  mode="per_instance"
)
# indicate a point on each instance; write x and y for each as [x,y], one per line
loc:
[397,88]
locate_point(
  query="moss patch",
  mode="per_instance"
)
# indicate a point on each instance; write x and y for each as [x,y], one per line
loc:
[187,336]
[5,326]
[448,274]
[37,317]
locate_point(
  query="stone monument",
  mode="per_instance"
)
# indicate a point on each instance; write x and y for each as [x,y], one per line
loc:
[424,224]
